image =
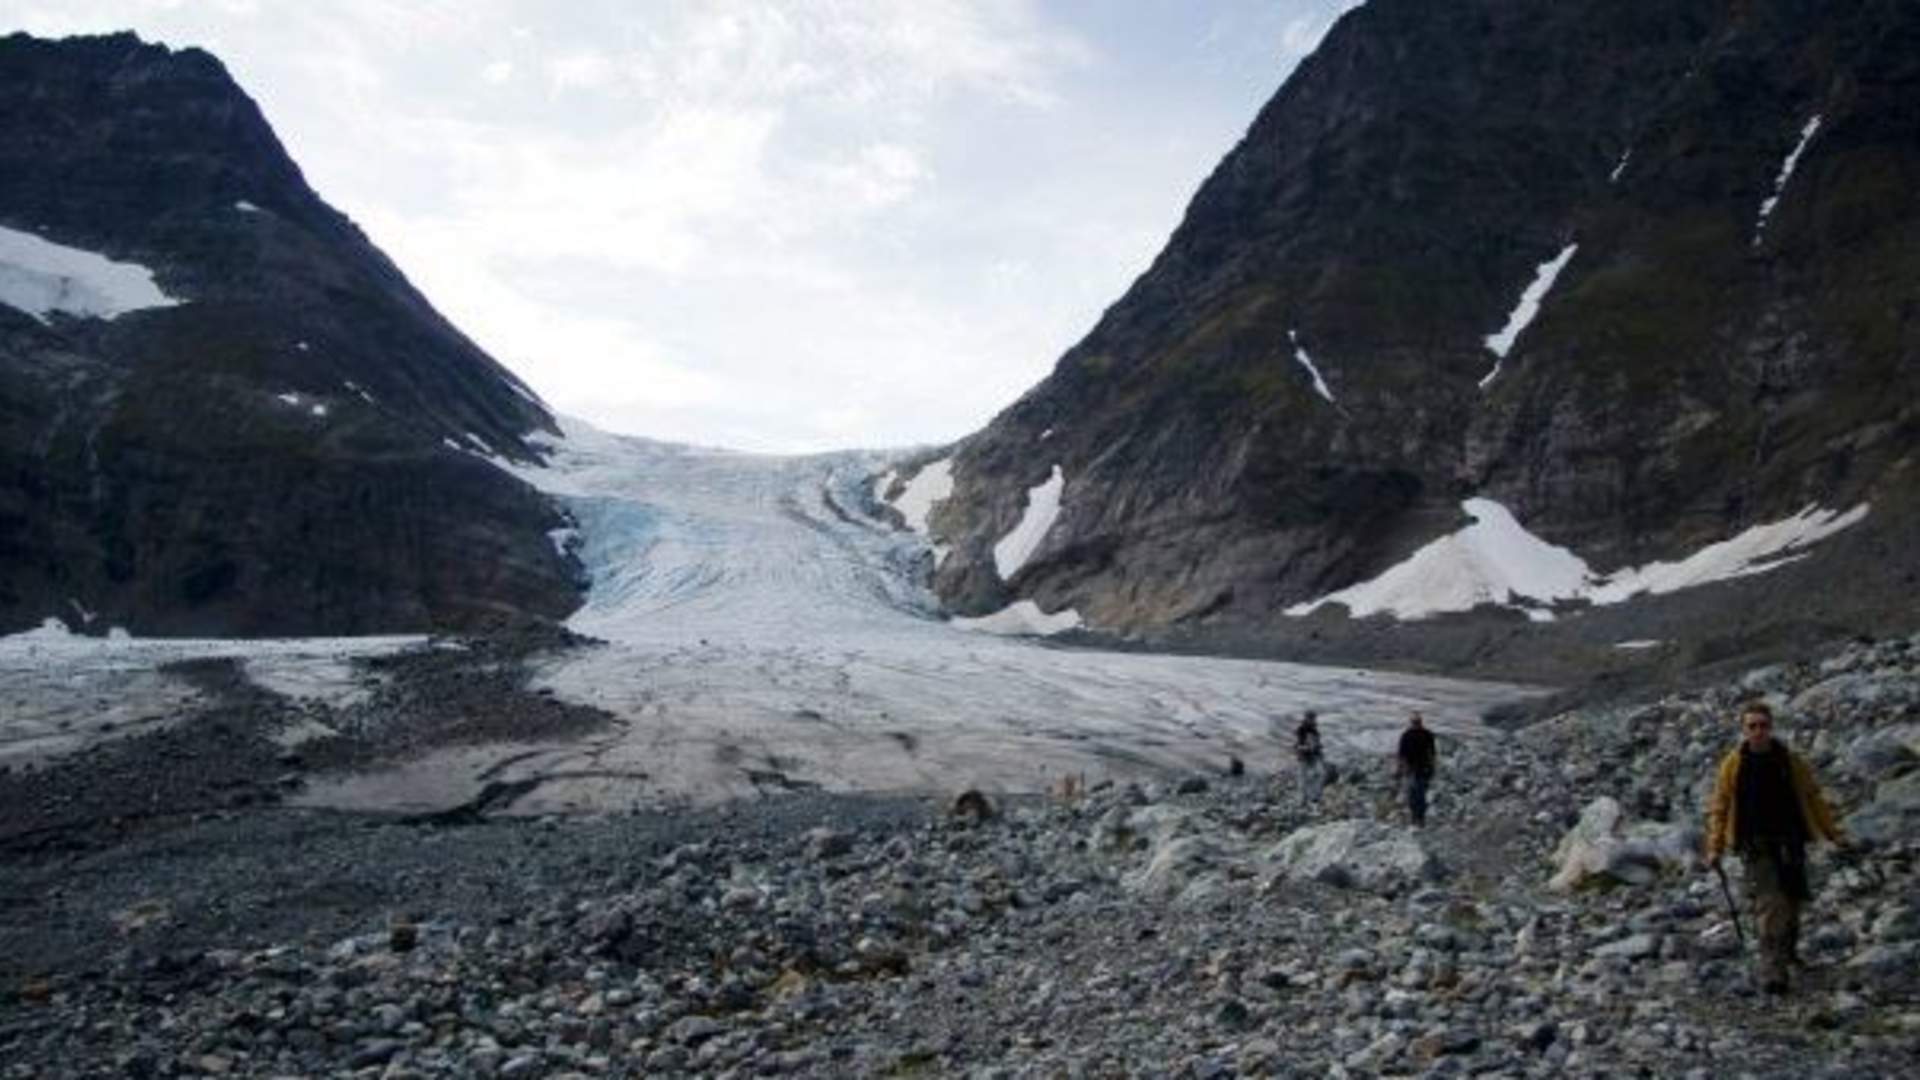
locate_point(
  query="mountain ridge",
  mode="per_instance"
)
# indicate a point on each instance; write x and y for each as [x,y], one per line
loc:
[1690,373]
[295,447]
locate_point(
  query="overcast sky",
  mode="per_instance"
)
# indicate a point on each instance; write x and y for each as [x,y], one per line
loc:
[796,225]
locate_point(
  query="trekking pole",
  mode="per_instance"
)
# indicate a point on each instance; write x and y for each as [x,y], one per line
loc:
[1726,890]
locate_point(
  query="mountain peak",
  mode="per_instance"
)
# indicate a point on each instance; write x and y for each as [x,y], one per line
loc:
[287,440]
[1595,262]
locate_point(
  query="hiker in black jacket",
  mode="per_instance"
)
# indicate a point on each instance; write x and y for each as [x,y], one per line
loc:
[1415,766]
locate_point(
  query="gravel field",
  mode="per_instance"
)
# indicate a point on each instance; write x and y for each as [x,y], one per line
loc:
[1201,925]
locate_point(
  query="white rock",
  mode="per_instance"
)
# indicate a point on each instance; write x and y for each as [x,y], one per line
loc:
[1365,854]
[1601,845]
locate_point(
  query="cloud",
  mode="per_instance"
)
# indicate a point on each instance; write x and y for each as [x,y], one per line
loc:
[748,222]
[582,70]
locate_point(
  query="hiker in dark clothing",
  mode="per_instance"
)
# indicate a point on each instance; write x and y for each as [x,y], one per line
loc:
[1766,805]
[1307,752]
[1416,763]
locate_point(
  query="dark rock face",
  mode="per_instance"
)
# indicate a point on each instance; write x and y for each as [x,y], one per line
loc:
[1690,374]
[273,454]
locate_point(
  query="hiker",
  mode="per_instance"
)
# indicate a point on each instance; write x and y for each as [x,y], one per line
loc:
[1307,751]
[1415,766]
[1765,807]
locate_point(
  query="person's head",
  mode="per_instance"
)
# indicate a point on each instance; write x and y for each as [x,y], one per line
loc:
[1308,718]
[1415,722]
[1756,725]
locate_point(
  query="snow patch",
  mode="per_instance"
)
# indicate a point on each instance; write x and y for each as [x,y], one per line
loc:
[318,409]
[1047,434]
[1807,133]
[1300,354]
[1490,561]
[564,540]
[1043,506]
[1495,560]
[932,484]
[1620,167]
[1755,551]
[1529,306]
[40,277]
[246,207]
[449,442]
[1639,643]
[302,346]
[1022,618]
[517,387]
[289,397]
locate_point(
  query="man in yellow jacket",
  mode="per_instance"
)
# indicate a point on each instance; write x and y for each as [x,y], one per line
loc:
[1766,805]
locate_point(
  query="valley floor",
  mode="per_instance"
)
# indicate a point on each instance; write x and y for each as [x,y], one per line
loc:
[719,837]
[1180,927]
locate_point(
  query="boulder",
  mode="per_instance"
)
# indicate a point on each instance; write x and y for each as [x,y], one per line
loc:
[1893,813]
[1602,845]
[1355,853]
[1187,860]
[824,843]
[1181,868]
[1856,691]
[1886,752]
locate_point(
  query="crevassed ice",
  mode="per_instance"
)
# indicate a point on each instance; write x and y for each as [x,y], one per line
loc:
[1496,560]
[1043,506]
[40,277]
[1529,306]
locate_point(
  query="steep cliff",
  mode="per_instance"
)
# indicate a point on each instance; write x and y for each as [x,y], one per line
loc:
[279,435]
[1712,207]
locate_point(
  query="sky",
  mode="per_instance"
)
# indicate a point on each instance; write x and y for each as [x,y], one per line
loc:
[771,225]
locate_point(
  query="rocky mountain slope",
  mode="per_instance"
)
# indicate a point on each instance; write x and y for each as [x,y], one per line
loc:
[1204,926]
[222,410]
[1641,273]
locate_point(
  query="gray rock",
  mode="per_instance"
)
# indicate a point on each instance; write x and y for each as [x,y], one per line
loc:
[1603,845]
[1888,959]
[1900,922]
[374,1052]
[694,1030]
[825,843]
[1635,947]
[1892,813]
[1373,856]
[521,1065]
[1885,752]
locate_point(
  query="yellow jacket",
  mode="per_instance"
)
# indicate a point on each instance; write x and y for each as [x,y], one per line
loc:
[1720,809]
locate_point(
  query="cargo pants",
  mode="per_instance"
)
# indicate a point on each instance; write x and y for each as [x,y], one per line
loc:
[1776,876]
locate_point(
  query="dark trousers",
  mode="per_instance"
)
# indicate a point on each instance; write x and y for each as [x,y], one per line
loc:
[1417,796]
[1776,876]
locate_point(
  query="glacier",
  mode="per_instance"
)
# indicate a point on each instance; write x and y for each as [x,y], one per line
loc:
[764,618]
[768,626]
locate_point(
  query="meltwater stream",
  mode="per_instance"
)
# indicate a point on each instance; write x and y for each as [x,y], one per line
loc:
[766,633]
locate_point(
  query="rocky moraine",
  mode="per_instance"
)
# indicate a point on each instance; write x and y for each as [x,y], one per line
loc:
[1552,921]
